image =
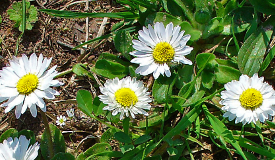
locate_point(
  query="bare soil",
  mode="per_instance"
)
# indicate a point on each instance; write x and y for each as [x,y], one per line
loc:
[55,37]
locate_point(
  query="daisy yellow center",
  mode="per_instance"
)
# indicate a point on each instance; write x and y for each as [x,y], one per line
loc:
[61,120]
[27,84]
[126,97]
[163,52]
[251,99]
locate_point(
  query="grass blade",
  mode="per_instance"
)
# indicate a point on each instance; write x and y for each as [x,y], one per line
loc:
[221,130]
[70,14]
[252,146]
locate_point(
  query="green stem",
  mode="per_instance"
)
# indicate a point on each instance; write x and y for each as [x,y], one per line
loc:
[63,73]
[163,119]
[126,124]
[48,132]
[17,43]
[189,150]
[107,124]
[23,15]
[146,131]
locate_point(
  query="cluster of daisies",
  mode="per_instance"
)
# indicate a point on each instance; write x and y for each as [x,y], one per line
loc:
[27,81]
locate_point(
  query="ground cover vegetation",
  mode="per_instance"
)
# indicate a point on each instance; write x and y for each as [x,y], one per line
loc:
[139,79]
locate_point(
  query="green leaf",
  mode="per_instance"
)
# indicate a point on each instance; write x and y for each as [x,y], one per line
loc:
[98,106]
[187,6]
[106,64]
[162,88]
[70,14]
[250,156]
[254,147]
[80,69]
[203,59]
[123,41]
[195,34]
[156,157]
[142,139]
[241,19]
[220,10]
[8,133]
[108,135]
[98,151]
[207,79]
[222,132]
[106,68]
[161,17]
[172,151]
[172,8]
[267,60]
[214,27]
[32,14]
[117,26]
[131,154]
[58,142]
[226,74]
[153,120]
[187,120]
[127,148]
[251,54]
[185,75]
[62,156]
[122,137]
[266,6]
[197,96]
[23,14]
[85,101]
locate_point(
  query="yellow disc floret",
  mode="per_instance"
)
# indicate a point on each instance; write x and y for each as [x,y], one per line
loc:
[61,120]
[251,99]
[163,52]
[27,84]
[126,97]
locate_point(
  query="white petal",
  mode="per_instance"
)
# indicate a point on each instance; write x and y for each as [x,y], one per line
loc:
[168,32]
[18,110]
[33,63]
[145,70]
[33,110]
[16,101]
[153,34]
[26,63]
[143,61]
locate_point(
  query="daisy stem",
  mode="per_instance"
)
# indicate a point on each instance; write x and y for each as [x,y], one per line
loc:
[63,73]
[146,131]
[126,125]
[48,132]
[107,124]
[163,117]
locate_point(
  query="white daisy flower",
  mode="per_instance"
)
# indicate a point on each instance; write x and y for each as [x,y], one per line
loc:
[70,112]
[248,100]
[159,46]
[26,82]
[18,149]
[61,120]
[125,95]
